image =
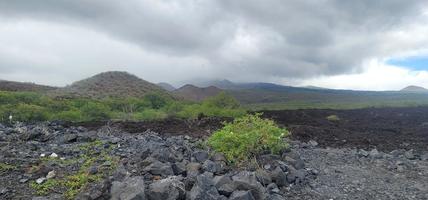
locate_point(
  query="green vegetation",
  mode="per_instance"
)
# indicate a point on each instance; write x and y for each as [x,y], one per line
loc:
[248,136]
[26,106]
[93,154]
[332,118]
[6,167]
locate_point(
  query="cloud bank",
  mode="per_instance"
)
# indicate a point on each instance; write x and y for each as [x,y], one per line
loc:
[283,41]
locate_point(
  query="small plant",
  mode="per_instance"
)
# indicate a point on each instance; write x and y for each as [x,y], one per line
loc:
[248,136]
[44,188]
[333,118]
[6,167]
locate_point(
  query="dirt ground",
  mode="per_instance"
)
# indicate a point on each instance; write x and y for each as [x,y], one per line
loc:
[383,128]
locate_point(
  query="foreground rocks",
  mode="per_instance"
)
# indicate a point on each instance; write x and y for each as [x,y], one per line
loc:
[147,166]
[133,166]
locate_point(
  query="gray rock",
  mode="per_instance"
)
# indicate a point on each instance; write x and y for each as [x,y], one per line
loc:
[167,155]
[410,154]
[204,189]
[130,189]
[263,177]
[224,185]
[210,166]
[296,176]
[241,195]
[313,143]
[179,168]
[363,152]
[193,169]
[167,189]
[424,157]
[200,156]
[245,180]
[279,177]
[159,168]
[275,197]
[272,188]
[375,154]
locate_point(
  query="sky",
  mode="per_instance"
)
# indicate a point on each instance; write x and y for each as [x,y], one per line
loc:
[361,45]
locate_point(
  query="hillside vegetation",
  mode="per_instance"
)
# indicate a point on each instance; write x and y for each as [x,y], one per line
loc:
[27,106]
[112,84]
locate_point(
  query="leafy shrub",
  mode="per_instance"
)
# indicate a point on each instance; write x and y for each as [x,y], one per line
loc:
[95,111]
[247,137]
[222,100]
[28,112]
[155,100]
[69,115]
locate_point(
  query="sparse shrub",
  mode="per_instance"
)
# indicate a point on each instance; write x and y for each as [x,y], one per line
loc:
[333,118]
[28,112]
[248,136]
[155,100]
[149,114]
[69,115]
[95,111]
[222,100]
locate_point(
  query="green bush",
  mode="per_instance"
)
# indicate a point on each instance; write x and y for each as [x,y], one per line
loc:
[28,112]
[93,111]
[69,115]
[222,100]
[247,137]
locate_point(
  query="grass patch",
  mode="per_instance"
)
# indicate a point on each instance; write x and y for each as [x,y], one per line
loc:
[71,184]
[248,136]
[333,118]
[4,167]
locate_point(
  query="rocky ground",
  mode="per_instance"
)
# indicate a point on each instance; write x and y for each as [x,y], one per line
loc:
[55,161]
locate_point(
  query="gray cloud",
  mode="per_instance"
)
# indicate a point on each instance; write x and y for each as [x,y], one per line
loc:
[255,39]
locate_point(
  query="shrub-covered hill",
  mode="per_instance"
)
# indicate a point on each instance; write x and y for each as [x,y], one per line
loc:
[112,84]
[23,87]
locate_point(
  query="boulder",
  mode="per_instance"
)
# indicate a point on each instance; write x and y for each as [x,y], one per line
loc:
[204,188]
[210,166]
[167,189]
[193,169]
[224,185]
[263,177]
[241,195]
[279,177]
[159,168]
[200,156]
[245,180]
[130,189]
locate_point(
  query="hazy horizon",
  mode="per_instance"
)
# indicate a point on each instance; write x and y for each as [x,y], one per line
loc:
[358,45]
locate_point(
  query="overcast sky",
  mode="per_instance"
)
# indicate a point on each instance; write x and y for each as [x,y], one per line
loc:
[364,44]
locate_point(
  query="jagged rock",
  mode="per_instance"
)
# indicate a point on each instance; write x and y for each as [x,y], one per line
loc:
[424,157]
[272,188]
[296,176]
[224,185]
[193,169]
[279,177]
[375,154]
[167,155]
[200,156]
[204,188]
[210,166]
[130,189]
[167,189]
[159,168]
[274,197]
[313,143]
[51,175]
[241,195]
[245,180]
[410,154]
[363,152]
[179,168]
[263,177]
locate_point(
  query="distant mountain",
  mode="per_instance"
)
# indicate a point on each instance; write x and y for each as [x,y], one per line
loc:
[229,85]
[413,88]
[315,87]
[193,93]
[166,86]
[23,87]
[109,84]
